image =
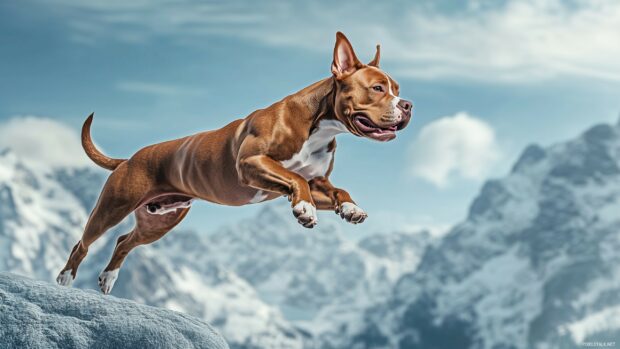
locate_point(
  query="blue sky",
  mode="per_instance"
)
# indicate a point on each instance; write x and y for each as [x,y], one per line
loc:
[487,79]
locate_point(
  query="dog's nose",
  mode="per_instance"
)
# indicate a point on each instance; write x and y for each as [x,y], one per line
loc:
[405,106]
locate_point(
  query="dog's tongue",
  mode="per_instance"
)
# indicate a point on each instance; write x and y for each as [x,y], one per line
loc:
[382,135]
[364,127]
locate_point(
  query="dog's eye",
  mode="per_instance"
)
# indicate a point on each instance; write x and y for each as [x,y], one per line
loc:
[378,88]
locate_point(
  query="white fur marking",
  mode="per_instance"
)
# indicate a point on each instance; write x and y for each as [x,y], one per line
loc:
[395,100]
[313,159]
[107,280]
[305,213]
[258,197]
[163,209]
[352,213]
[65,278]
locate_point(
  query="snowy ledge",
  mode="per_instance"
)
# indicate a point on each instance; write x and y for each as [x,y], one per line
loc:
[35,314]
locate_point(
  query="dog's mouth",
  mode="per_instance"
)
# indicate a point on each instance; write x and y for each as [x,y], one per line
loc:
[374,131]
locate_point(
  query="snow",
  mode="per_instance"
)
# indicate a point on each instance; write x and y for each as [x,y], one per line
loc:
[36,314]
[603,320]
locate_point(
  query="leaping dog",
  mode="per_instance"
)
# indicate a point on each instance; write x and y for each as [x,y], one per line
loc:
[286,149]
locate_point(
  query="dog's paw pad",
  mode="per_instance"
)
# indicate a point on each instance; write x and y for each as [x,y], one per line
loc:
[107,280]
[305,213]
[65,278]
[352,213]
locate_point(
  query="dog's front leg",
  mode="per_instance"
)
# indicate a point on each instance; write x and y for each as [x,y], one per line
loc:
[328,197]
[262,172]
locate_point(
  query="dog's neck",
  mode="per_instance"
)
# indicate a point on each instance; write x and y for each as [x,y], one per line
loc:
[318,101]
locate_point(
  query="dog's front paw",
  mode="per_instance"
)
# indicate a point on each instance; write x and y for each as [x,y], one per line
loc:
[107,280]
[65,278]
[305,213]
[351,213]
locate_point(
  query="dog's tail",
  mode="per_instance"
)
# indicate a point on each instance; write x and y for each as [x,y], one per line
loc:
[93,153]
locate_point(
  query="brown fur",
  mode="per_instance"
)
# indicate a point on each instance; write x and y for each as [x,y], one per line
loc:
[230,165]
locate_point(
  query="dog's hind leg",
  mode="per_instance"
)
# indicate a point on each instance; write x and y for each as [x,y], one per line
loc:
[149,228]
[120,196]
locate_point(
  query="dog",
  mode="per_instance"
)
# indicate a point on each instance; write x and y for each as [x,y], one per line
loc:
[286,149]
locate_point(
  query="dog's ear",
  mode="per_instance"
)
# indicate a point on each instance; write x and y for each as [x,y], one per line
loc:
[375,61]
[345,62]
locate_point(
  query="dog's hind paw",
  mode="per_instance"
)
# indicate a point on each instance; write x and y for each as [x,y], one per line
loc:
[305,213]
[65,278]
[107,280]
[351,213]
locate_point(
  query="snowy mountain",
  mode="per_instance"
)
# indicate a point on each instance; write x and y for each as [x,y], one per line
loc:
[59,317]
[42,214]
[534,265]
[263,283]
[306,270]
[318,278]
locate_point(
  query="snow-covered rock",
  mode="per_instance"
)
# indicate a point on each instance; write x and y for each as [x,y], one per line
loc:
[36,314]
[175,273]
[534,265]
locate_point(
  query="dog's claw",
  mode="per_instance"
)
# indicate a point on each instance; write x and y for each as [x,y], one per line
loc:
[305,213]
[352,213]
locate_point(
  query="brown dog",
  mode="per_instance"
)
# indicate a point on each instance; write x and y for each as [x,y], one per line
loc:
[286,149]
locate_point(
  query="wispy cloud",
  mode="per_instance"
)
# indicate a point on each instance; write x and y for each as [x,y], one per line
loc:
[43,141]
[159,89]
[509,41]
[459,145]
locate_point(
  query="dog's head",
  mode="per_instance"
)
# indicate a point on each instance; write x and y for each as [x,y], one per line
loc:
[367,99]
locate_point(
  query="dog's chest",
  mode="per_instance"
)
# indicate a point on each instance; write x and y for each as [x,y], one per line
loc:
[314,157]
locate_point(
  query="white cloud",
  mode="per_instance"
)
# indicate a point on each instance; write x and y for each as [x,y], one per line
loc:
[454,145]
[43,141]
[509,41]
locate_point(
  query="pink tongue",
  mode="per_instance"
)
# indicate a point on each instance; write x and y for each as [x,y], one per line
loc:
[364,127]
[379,131]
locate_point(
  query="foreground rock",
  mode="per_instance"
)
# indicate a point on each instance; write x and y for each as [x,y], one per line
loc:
[36,314]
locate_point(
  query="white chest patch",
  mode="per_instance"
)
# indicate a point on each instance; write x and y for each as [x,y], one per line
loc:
[313,159]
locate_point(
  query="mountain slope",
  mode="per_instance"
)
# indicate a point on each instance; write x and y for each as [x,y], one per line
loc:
[40,219]
[535,264]
[318,278]
[242,279]
[42,215]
